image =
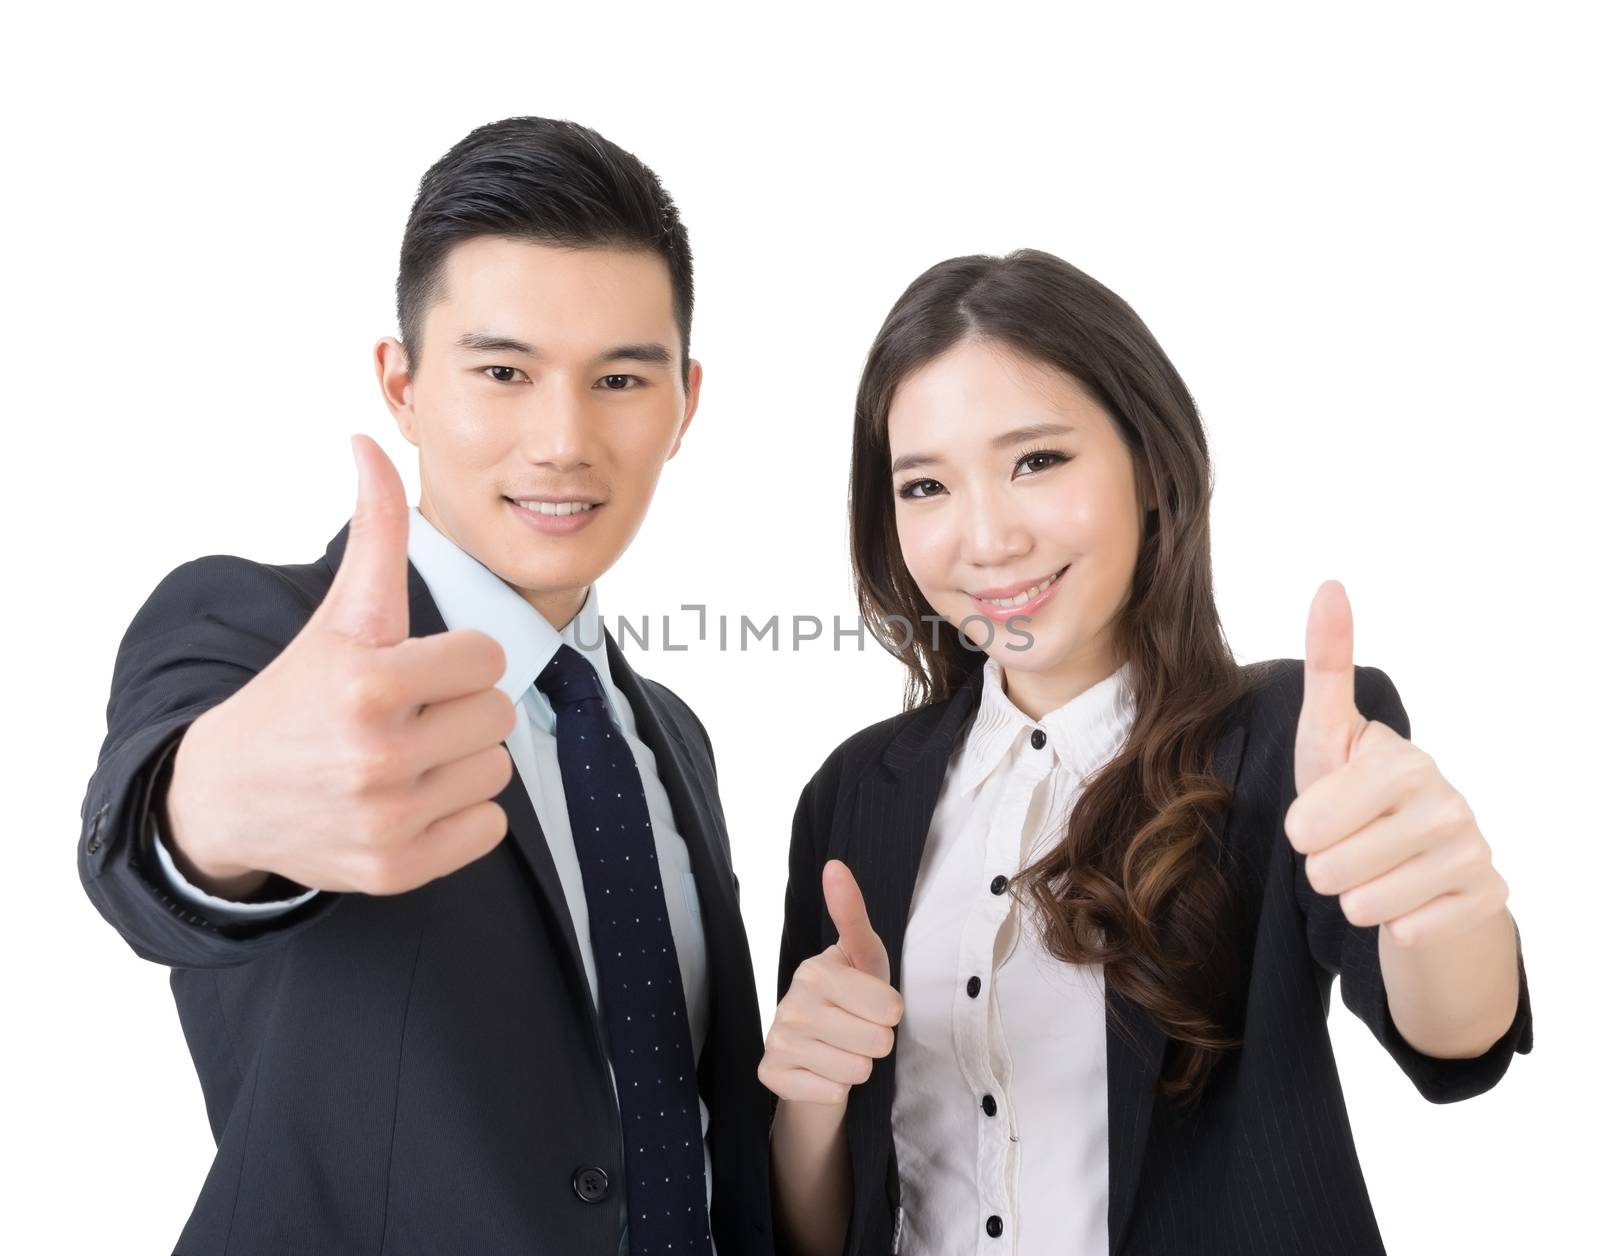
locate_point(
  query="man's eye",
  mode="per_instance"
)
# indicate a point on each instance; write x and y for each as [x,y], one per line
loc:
[906,488]
[610,384]
[502,374]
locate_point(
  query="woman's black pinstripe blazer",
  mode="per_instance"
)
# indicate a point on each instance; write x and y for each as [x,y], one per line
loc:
[1265,1163]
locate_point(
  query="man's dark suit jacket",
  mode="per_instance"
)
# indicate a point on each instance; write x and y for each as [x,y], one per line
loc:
[421,1073]
[1267,1164]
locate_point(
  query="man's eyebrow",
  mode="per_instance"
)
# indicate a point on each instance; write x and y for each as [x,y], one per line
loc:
[651,351]
[1014,437]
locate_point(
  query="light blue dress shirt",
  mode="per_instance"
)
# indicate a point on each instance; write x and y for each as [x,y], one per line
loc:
[470,595]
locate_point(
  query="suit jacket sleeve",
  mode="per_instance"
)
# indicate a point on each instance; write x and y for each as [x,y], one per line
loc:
[207,629]
[1352,952]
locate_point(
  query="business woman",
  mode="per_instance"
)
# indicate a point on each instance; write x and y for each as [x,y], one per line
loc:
[1059,938]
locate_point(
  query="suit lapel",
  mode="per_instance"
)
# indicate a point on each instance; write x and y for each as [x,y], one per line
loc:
[896,807]
[521,820]
[1135,1048]
[523,824]
[688,788]
[882,843]
[685,775]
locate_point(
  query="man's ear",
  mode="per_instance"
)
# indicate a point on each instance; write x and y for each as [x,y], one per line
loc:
[394,382]
[690,405]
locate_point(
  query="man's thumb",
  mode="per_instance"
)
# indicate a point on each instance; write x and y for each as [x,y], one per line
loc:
[848,910]
[368,599]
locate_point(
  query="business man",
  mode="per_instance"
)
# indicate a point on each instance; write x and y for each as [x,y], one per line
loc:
[414,1036]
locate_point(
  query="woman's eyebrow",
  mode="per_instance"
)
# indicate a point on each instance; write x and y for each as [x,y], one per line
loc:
[484,342]
[1014,437]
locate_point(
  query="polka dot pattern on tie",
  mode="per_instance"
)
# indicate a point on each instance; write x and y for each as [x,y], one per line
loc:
[636,962]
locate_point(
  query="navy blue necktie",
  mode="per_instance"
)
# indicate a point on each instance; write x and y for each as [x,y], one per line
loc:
[636,963]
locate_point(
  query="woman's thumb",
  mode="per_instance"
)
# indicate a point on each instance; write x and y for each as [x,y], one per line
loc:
[848,910]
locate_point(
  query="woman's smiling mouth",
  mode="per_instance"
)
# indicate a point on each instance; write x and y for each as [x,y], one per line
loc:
[1001,604]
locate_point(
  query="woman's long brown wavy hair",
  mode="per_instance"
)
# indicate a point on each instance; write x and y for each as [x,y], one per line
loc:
[1136,881]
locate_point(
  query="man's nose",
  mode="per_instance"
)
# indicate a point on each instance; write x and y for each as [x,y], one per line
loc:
[558,430]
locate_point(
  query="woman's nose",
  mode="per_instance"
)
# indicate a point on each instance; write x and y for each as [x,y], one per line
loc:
[992,533]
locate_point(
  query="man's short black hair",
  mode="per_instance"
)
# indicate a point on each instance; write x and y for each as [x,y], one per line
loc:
[543,180]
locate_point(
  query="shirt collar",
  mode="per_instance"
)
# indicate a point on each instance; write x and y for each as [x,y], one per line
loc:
[1082,733]
[470,595]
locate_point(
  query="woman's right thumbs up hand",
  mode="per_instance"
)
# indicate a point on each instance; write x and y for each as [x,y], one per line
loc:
[839,1012]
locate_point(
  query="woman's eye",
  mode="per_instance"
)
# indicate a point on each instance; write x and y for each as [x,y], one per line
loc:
[610,382]
[909,485]
[1041,460]
[502,374]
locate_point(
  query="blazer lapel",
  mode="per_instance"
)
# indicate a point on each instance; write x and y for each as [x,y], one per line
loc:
[1135,1048]
[685,775]
[882,843]
[896,807]
[521,820]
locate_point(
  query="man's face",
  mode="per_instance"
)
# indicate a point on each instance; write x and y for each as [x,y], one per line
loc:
[547,375]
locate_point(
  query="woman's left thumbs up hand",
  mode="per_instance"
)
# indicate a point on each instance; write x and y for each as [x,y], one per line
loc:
[1378,824]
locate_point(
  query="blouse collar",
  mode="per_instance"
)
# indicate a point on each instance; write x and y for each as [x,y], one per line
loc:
[1083,732]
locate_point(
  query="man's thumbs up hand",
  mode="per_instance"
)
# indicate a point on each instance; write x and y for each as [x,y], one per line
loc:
[840,1011]
[360,758]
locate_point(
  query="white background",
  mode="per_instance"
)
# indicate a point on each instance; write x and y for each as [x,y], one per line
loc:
[1366,239]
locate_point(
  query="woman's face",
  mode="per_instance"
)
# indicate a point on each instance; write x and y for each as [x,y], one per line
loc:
[1016,500]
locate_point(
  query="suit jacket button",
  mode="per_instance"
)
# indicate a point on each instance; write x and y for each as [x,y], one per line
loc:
[591,1183]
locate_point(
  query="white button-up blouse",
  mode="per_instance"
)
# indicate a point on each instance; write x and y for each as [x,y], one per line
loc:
[999,1113]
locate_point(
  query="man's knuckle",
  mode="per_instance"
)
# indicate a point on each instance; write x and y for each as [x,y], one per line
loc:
[368,692]
[1417,767]
[375,766]
[379,824]
[374,873]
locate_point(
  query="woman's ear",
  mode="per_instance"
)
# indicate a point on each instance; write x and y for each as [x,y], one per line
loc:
[393,365]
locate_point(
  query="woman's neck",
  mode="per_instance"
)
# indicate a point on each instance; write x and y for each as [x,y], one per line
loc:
[1036,694]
